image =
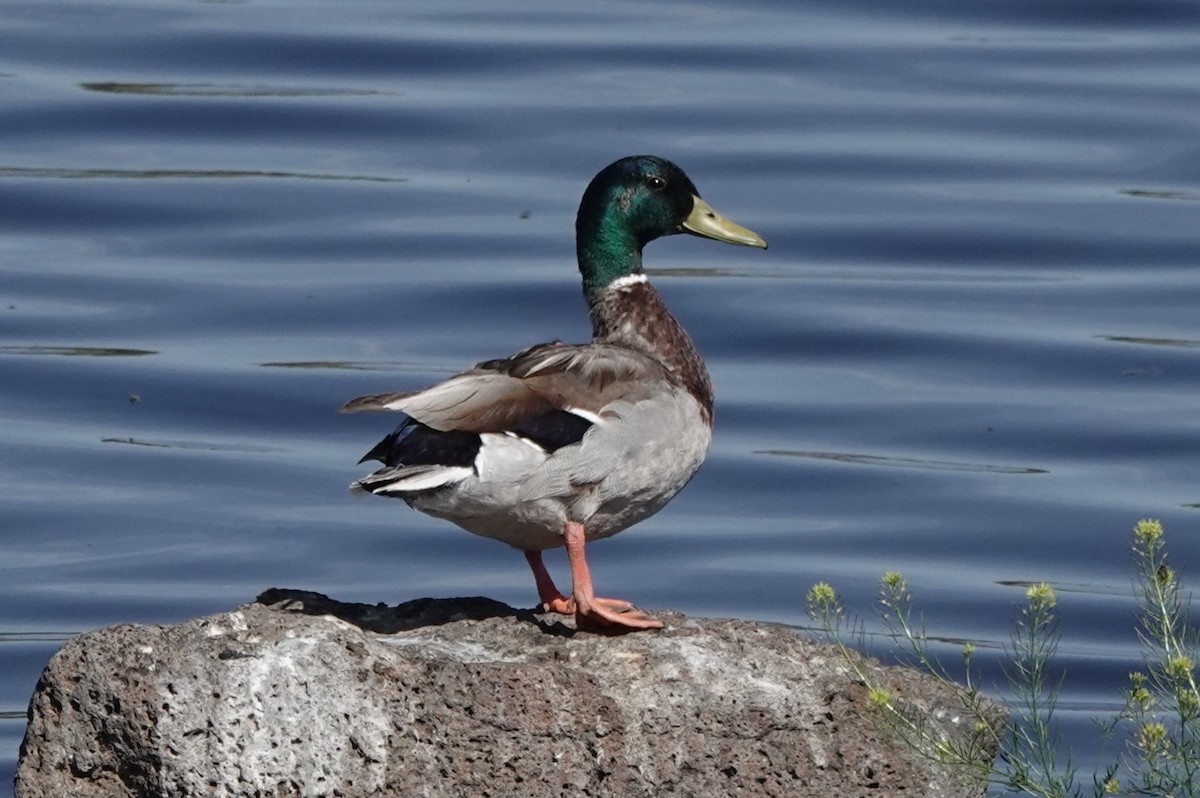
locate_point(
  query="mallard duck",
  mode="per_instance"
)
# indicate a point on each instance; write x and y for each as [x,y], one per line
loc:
[562,444]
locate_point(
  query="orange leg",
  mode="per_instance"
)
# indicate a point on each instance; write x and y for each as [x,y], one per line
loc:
[591,611]
[552,600]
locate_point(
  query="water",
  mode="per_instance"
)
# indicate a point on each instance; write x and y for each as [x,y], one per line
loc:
[971,354]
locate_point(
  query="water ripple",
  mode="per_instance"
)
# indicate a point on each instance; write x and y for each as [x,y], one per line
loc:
[216,90]
[194,445]
[65,173]
[903,462]
[75,351]
[1185,343]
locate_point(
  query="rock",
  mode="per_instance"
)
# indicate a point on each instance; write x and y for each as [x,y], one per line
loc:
[299,695]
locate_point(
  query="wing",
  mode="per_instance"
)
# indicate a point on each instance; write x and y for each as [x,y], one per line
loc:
[503,414]
[509,394]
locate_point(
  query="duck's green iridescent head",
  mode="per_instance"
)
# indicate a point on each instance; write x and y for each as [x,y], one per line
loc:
[632,202]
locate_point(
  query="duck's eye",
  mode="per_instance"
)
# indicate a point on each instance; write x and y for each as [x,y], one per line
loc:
[656,183]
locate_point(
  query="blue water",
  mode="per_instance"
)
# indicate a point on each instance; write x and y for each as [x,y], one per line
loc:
[971,354]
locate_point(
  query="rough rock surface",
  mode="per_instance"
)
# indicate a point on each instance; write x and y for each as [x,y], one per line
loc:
[298,695]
